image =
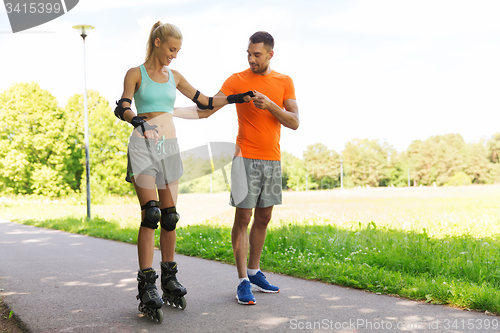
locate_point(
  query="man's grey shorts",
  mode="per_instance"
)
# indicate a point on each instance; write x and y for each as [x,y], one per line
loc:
[255,183]
[161,160]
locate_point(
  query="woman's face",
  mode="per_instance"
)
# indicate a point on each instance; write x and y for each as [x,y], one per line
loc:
[167,51]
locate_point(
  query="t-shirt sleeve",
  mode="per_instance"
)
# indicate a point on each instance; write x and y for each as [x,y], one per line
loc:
[228,86]
[289,89]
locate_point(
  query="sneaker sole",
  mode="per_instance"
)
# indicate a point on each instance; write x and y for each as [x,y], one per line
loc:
[265,290]
[245,303]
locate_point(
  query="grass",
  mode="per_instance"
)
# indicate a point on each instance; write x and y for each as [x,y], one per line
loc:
[436,245]
[457,270]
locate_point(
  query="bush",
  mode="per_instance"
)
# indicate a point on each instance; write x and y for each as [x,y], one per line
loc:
[459,179]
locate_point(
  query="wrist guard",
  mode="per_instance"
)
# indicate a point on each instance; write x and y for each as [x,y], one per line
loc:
[141,125]
[238,98]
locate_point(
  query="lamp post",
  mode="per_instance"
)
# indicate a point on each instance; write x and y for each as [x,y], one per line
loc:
[341,174]
[82,29]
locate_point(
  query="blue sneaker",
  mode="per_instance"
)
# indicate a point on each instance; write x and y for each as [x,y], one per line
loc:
[259,281]
[244,294]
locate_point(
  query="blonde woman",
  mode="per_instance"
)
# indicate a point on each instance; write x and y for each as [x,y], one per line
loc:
[154,164]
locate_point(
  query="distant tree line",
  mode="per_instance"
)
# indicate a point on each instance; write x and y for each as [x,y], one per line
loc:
[42,152]
[441,159]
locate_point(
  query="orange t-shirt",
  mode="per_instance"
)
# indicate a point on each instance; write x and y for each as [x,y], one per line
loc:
[259,131]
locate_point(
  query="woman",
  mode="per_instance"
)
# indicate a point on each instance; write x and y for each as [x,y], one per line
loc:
[154,164]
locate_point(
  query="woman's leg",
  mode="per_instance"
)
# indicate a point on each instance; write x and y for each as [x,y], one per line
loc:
[168,198]
[173,291]
[145,188]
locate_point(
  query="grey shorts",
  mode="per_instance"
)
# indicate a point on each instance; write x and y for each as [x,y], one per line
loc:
[161,160]
[255,183]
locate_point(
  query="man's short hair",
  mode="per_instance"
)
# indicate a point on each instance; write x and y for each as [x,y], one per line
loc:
[263,37]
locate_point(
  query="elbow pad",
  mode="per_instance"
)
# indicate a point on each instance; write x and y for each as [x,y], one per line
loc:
[201,106]
[120,110]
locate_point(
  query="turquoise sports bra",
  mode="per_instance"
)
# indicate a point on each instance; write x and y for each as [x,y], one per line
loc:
[153,96]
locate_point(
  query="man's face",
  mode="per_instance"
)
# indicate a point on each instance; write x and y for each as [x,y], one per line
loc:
[259,57]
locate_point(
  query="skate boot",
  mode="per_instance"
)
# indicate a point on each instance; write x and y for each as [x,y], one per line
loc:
[173,291]
[151,301]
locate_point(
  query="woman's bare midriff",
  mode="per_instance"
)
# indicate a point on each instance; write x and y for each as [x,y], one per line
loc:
[164,124]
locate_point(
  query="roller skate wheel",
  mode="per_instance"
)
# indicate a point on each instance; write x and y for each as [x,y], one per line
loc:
[182,303]
[159,316]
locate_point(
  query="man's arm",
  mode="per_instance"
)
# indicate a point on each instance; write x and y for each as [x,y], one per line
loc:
[288,117]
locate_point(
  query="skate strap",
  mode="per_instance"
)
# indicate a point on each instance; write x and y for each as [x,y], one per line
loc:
[150,289]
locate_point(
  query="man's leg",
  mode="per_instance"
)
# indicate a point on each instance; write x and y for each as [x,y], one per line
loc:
[258,231]
[239,239]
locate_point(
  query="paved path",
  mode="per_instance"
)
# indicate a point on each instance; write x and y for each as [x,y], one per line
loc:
[60,282]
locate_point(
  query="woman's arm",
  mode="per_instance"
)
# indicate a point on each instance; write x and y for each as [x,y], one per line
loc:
[131,82]
[189,91]
[192,112]
[218,100]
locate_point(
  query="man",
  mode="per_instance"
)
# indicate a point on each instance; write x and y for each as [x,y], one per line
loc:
[256,169]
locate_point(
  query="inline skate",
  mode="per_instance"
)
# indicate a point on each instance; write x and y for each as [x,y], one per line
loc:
[151,302]
[173,291]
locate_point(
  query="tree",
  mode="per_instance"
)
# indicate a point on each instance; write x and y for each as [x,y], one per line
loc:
[33,143]
[397,170]
[293,172]
[478,166]
[368,162]
[436,159]
[494,148]
[323,165]
[108,139]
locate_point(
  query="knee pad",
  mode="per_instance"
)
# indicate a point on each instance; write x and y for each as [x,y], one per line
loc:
[169,218]
[152,215]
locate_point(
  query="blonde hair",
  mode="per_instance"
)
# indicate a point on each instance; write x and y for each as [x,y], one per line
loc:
[163,32]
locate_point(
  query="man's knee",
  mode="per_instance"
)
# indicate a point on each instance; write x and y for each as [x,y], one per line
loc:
[243,216]
[263,216]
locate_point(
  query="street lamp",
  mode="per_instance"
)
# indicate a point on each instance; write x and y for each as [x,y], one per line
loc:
[341,174]
[82,29]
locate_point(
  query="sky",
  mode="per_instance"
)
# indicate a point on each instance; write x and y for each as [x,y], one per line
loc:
[393,70]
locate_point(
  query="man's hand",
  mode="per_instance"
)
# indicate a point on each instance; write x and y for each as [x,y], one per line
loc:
[248,98]
[289,117]
[261,101]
